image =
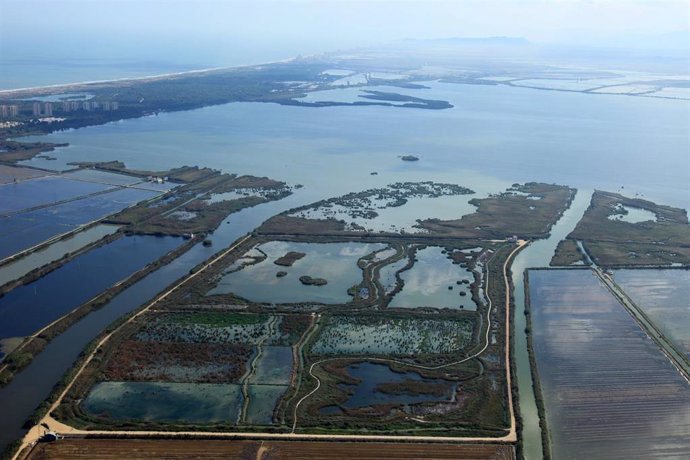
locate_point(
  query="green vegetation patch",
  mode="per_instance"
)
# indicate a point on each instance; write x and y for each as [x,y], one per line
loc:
[567,253]
[613,242]
[385,335]
[216,319]
[527,211]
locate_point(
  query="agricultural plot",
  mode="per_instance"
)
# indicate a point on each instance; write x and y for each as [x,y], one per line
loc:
[238,364]
[435,281]
[43,191]
[664,296]
[400,336]
[184,449]
[24,230]
[260,281]
[608,390]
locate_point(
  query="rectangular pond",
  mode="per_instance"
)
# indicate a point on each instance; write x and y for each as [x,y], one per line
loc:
[25,230]
[334,262]
[664,296]
[608,390]
[30,307]
[157,401]
[43,190]
[17,269]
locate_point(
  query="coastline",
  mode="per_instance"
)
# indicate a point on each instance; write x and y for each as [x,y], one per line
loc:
[50,89]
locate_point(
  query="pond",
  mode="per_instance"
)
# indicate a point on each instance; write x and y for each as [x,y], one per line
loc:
[433,282]
[632,215]
[334,262]
[158,401]
[373,375]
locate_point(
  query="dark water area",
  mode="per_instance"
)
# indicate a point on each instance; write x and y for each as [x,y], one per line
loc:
[372,375]
[33,385]
[30,307]
[24,230]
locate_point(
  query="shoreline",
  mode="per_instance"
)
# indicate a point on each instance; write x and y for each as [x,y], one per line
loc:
[50,89]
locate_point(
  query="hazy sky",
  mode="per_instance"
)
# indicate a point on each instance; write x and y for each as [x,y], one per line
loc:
[215,31]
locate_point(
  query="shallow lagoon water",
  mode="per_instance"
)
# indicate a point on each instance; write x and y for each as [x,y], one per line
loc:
[427,282]
[634,215]
[502,133]
[336,262]
[274,366]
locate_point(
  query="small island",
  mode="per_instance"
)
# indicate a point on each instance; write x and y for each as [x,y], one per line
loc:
[309,281]
[288,259]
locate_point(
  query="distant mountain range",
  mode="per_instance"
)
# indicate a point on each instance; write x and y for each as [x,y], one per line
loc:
[475,41]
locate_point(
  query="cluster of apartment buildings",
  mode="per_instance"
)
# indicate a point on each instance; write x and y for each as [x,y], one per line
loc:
[9,111]
[45,109]
[106,106]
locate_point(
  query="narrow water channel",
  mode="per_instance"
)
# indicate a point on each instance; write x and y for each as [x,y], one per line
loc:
[537,254]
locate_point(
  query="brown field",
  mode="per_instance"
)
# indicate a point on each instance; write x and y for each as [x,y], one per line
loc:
[132,449]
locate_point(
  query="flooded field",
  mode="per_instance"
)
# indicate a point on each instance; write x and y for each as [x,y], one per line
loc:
[609,392]
[334,262]
[17,269]
[164,401]
[28,308]
[396,336]
[24,230]
[435,281]
[664,296]
[43,190]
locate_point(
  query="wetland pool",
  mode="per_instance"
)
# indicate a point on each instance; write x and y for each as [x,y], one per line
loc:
[427,283]
[335,262]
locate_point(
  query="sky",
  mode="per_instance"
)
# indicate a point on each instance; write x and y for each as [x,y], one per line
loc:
[252,31]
